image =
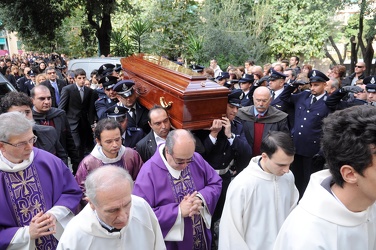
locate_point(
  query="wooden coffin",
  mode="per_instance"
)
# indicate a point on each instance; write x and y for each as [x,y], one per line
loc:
[192,101]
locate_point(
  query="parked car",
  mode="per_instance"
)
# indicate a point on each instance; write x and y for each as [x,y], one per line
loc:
[91,63]
[5,86]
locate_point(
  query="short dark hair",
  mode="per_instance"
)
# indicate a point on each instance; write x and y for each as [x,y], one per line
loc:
[347,137]
[14,99]
[297,58]
[277,139]
[105,124]
[155,107]
[79,72]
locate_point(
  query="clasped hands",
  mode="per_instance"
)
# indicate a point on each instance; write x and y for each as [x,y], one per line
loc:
[191,205]
[42,224]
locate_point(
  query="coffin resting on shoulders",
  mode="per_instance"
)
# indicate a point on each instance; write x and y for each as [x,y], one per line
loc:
[192,101]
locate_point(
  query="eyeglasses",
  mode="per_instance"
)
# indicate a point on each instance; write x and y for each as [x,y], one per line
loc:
[51,73]
[182,161]
[22,144]
[44,98]
[360,67]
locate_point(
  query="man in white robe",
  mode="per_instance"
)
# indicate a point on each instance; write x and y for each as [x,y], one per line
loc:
[113,219]
[338,208]
[260,198]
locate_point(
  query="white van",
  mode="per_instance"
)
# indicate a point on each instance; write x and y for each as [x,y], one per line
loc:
[92,63]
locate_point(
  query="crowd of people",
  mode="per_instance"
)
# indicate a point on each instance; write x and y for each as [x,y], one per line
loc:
[291,164]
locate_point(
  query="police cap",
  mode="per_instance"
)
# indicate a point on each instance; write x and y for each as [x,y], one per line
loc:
[117,113]
[317,76]
[275,75]
[124,88]
[369,80]
[106,69]
[108,82]
[235,97]
[223,75]
[247,78]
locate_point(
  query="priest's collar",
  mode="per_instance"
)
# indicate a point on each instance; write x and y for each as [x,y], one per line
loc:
[175,173]
[105,226]
[7,166]
[98,153]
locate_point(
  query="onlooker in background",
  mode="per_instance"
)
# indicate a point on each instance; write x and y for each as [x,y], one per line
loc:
[214,66]
[55,85]
[21,81]
[114,218]
[40,78]
[253,218]
[360,68]
[306,69]
[294,61]
[332,85]
[338,72]
[39,195]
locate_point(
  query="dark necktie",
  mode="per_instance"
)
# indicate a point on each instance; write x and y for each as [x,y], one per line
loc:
[314,99]
[133,113]
[273,96]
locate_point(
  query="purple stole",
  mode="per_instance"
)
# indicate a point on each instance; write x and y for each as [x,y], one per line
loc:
[26,194]
[180,188]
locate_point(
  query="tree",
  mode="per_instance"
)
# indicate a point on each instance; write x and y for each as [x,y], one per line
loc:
[302,27]
[37,21]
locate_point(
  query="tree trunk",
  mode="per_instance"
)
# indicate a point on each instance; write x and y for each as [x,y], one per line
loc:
[354,57]
[368,55]
[104,35]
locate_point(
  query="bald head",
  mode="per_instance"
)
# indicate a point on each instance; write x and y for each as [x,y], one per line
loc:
[261,99]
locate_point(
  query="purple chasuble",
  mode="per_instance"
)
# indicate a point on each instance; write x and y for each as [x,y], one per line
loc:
[25,191]
[155,184]
[45,183]
[182,187]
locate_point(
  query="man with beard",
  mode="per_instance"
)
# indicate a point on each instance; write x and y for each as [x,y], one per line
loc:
[159,122]
[108,150]
[102,104]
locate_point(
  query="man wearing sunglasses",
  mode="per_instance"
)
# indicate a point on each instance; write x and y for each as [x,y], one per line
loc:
[182,189]
[45,114]
[39,194]
[359,70]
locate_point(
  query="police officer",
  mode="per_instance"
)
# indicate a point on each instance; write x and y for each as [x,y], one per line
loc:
[137,114]
[246,85]
[103,103]
[310,110]
[226,147]
[130,136]
[370,82]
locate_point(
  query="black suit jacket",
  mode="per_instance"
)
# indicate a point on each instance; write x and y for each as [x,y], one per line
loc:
[60,85]
[147,146]
[49,141]
[78,112]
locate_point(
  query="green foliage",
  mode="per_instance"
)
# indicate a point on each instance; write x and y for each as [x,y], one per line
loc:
[172,22]
[35,20]
[138,30]
[301,27]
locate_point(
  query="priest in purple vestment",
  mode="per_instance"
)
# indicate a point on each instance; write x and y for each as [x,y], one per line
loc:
[38,194]
[183,190]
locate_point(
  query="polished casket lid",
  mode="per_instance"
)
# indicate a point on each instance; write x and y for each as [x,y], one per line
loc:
[192,100]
